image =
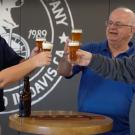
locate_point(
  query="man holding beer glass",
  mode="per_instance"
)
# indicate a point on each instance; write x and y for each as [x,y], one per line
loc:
[100,95]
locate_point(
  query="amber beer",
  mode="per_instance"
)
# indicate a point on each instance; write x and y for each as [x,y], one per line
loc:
[47,46]
[39,42]
[76,34]
[73,47]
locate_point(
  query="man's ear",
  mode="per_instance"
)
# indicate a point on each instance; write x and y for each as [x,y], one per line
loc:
[133,29]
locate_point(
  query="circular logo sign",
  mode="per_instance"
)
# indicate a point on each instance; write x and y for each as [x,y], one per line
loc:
[49,18]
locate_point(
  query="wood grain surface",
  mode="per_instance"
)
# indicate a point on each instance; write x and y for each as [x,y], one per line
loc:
[61,123]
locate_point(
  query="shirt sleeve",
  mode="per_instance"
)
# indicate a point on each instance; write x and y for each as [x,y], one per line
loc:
[116,69]
[9,55]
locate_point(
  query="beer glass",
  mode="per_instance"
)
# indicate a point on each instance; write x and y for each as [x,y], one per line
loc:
[47,46]
[39,42]
[73,47]
[76,34]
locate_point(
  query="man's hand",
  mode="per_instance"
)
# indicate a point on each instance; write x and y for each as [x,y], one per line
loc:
[41,59]
[34,52]
[84,58]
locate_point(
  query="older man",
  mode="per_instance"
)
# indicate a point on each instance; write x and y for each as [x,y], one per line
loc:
[104,96]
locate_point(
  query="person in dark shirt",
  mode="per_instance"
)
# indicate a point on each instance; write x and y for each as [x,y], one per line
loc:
[8,58]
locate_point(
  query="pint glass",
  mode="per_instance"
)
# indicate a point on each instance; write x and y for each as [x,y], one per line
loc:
[47,46]
[73,47]
[76,34]
[39,42]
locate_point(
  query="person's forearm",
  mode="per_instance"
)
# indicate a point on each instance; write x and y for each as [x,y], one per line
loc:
[116,69]
[64,68]
[16,72]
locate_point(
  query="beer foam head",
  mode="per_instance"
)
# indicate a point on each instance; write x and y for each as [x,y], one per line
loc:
[47,45]
[40,39]
[76,30]
[73,43]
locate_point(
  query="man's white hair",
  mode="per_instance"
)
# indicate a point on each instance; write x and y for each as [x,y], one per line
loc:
[128,11]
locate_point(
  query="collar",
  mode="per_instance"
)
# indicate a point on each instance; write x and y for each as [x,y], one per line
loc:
[105,48]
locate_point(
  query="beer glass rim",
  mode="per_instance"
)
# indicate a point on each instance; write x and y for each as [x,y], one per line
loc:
[47,45]
[76,30]
[40,39]
[73,43]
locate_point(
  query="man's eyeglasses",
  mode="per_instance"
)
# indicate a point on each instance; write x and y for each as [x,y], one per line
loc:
[117,25]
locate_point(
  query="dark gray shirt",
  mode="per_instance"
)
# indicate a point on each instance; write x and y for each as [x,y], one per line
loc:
[116,69]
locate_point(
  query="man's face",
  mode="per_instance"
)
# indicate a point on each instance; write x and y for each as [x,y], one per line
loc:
[118,27]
